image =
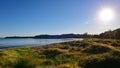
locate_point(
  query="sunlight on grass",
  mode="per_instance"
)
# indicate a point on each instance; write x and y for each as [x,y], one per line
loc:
[89,53]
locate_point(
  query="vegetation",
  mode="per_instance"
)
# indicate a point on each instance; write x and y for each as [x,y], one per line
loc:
[111,34]
[89,53]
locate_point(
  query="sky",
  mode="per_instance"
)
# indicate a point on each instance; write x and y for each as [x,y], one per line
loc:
[34,17]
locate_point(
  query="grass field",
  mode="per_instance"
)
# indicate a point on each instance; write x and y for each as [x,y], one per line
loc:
[89,53]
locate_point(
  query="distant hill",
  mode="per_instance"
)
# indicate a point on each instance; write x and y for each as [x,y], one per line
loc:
[113,34]
[17,37]
[56,36]
[63,36]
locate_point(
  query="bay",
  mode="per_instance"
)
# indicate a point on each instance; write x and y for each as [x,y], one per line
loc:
[6,43]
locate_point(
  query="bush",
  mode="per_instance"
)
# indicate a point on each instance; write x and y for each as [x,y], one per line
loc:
[63,59]
[52,53]
[96,49]
[105,63]
[116,44]
[25,63]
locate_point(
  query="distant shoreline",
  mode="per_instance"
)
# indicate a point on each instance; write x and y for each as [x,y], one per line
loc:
[62,36]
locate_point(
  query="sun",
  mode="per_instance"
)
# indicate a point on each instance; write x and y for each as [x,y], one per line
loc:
[106,15]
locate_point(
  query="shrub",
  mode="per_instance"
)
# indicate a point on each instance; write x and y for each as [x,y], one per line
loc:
[24,63]
[105,63]
[52,53]
[96,49]
[66,58]
[116,44]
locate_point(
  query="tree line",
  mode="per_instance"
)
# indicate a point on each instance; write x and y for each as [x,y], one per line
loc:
[112,34]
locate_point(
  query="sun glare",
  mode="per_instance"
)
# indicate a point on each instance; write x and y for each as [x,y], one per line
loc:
[106,15]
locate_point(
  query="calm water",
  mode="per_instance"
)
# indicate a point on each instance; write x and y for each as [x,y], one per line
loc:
[28,42]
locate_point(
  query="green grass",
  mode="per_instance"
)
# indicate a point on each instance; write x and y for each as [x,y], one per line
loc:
[89,53]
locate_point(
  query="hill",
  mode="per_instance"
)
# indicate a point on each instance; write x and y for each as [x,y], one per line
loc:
[55,36]
[114,34]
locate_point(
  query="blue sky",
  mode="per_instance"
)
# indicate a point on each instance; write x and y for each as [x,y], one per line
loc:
[34,17]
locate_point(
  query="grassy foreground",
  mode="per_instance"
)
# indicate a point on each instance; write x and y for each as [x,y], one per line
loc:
[89,53]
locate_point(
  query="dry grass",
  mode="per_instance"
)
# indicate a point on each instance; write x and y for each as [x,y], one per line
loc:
[89,53]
